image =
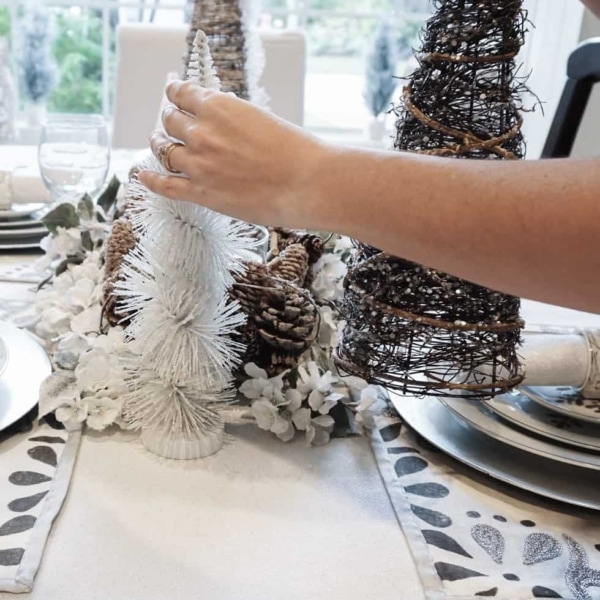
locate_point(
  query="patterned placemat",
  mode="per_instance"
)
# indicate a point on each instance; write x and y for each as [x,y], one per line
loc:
[37,459]
[473,537]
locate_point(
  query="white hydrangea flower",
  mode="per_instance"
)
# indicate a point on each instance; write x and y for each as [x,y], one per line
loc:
[318,429]
[72,415]
[343,244]
[329,272]
[330,330]
[260,385]
[278,419]
[318,387]
[372,403]
[66,242]
[102,410]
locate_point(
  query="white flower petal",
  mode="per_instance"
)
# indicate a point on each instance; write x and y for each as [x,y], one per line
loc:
[264,413]
[301,419]
[288,434]
[255,372]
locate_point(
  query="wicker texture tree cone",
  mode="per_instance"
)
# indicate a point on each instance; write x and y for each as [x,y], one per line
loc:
[223,23]
[409,327]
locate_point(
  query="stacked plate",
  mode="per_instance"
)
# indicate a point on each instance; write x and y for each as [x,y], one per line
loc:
[23,367]
[21,227]
[543,440]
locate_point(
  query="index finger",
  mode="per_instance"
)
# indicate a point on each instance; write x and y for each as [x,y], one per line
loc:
[187,95]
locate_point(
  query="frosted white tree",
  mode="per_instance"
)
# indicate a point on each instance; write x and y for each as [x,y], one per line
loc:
[175,283]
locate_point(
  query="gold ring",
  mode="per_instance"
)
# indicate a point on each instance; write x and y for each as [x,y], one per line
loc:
[163,153]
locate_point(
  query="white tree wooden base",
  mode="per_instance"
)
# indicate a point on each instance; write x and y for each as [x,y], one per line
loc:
[182,448]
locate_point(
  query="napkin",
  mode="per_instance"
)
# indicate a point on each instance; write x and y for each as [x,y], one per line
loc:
[21,185]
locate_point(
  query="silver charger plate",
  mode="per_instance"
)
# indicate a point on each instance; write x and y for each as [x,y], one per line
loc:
[480,417]
[18,211]
[431,419]
[28,365]
[567,401]
[523,412]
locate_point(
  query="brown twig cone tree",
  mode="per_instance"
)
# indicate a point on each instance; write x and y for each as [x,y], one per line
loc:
[223,22]
[410,327]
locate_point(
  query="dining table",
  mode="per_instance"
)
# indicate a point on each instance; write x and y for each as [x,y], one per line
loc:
[259,520]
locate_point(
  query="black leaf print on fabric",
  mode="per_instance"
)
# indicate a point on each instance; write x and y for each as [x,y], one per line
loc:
[48,439]
[432,517]
[511,577]
[27,478]
[541,592]
[428,490]
[540,547]
[490,539]
[391,432]
[17,525]
[26,503]
[409,465]
[11,556]
[450,572]
[44,454]
[579,576]
[444,541]
[488,593]
[403,450]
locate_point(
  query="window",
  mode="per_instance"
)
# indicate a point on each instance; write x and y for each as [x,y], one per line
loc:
[338,32]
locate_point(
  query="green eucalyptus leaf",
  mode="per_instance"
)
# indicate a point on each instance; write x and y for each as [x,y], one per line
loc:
[108,197]
[64,215]
[86,241]
[85,208]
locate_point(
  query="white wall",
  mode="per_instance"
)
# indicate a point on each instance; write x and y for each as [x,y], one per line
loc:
[588,140]
[554,32]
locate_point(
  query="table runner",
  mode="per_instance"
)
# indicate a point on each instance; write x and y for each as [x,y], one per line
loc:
[474,537]
[35,471]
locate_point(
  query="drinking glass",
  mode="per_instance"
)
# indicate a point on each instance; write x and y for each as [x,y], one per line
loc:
[74,156]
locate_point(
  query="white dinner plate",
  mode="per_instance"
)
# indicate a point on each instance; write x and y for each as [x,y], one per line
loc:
[525,413]
[432,420]
[21,223]
[480,417]
[27,366]
[567,401]
[20,210]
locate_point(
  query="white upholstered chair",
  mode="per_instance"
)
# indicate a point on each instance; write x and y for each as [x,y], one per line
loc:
[146,54]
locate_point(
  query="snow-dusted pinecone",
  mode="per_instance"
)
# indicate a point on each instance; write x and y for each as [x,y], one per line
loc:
[314,244]
[291,264]
[284,316]
[120,241]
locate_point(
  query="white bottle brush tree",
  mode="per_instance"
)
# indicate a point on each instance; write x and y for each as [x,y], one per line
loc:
[175,282]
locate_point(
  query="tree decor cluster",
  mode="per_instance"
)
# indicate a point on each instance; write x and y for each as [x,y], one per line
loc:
[234,46]
[409,327]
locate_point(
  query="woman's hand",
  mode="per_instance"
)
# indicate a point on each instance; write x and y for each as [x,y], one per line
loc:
[236,158]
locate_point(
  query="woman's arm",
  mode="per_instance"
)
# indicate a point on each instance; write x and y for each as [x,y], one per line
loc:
[593,5]
[529,228]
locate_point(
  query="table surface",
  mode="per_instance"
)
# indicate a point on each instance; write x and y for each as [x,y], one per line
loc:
[259,520]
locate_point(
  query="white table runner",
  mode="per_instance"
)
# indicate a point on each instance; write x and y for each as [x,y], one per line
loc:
[473,537]
[35,472]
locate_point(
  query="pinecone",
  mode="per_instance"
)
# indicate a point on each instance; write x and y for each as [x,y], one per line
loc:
[121,240]
[284,316]
[291,264]
[314,244]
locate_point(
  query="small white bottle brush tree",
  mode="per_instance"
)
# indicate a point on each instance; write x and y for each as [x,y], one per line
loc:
[175,282]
